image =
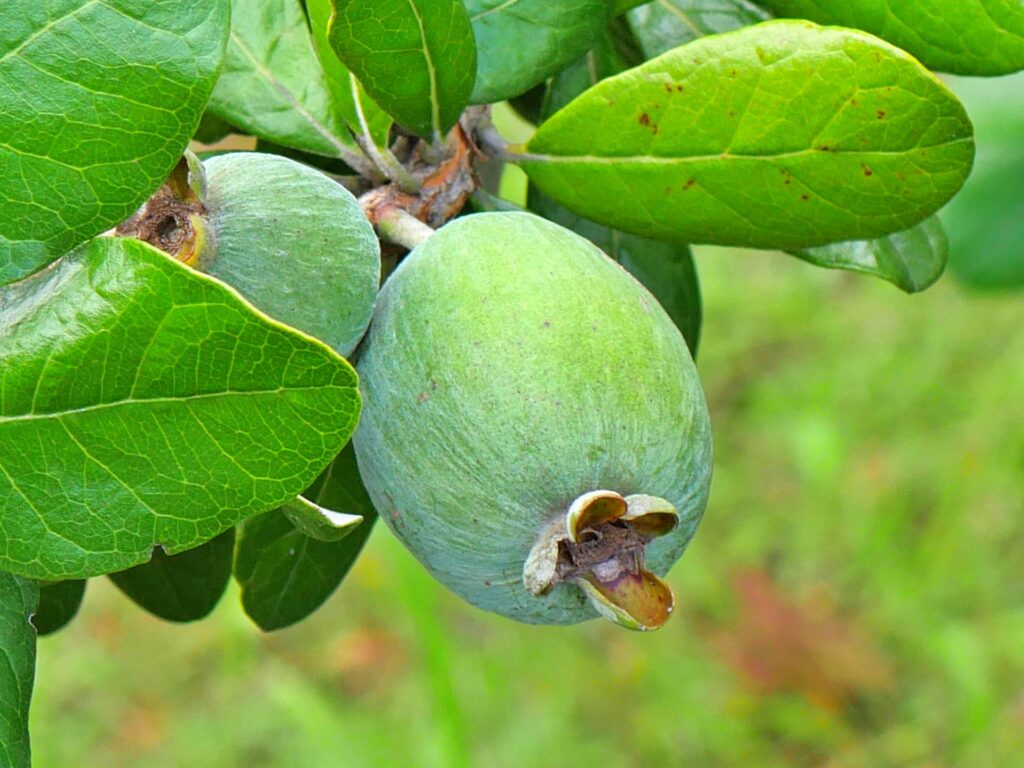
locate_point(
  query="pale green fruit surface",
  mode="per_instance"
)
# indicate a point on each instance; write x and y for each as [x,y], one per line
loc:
[294,243]
[511,366]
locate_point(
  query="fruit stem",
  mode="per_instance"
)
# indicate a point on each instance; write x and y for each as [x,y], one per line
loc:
[401,227]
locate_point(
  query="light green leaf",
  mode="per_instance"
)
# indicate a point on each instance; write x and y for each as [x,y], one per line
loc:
[911,260]
[145,404]
[986,220]
[318,522]
[18,598]
[523,42]
[273,84]
[59,602]
[183,587]
[98,100]
[416,58]
[781,135]
[360,112]
[969,37]
[285,575]
[662,25]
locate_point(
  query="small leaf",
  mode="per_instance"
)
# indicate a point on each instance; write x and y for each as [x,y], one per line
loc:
[360,112]
[286,575]
[781,135]
[968,37]
[183,587]
[986,220]
[18,599]
[318,522]
[524,42]
[59,602]
[416,58]
[197,411]
[911,260]
[663,25]
[273,85]
[98,101]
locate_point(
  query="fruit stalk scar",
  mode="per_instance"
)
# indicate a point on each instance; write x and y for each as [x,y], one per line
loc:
[599,545]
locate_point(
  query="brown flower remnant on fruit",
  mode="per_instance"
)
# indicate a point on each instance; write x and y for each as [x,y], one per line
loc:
[170,218]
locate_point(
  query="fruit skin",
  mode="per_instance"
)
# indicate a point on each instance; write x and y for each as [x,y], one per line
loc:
[293,242]
[511,367]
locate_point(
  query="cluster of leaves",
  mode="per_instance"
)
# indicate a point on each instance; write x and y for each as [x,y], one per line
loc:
[156,427]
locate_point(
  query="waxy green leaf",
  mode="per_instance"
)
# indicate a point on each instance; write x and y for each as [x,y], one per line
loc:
[416,58]
[18,598]
[781,135]
[59,602]
[145,404]
[524,42]
[273,85]
[285,575]
[662,25]
[911,260]
[361,113]
[183,587]
[969,37]
[97,102]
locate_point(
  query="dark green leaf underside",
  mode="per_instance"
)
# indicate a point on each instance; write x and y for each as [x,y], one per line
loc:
[98,99]
[182,587]
[18,598]
[969,37]
[59,601]
[197,411]
[781,135]
[662,25]
[285,575]
[911,260]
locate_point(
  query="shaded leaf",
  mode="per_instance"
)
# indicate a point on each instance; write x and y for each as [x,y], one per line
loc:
[871,144]
[59,602]
[285,575]
[182,587]
[18,598]
[911,260]
[78,78]
[524,42]
[416,58]
[662,25]
[968,37]
[197,411]
[273,84]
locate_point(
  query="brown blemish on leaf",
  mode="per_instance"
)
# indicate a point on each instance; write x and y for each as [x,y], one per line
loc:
[854,103]
[880,114]
[424,396]
[805,197]
[644,119]
[824,148]
[689,183]
[867,171]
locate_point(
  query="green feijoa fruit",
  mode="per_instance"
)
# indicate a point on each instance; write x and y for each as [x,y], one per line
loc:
[288,238]
[293,242]
[533,426]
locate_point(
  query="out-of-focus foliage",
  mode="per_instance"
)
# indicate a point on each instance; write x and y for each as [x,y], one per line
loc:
[852,599]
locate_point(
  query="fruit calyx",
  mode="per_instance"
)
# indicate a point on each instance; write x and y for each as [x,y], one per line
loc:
[599,546]
[172,219]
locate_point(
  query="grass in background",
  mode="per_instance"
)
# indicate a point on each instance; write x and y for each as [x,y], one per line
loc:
[852,599]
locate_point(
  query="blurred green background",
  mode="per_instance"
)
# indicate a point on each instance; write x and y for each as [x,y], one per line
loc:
[854,596]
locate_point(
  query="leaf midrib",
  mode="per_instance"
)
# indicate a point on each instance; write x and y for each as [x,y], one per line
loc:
[154,400]
[724,156]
